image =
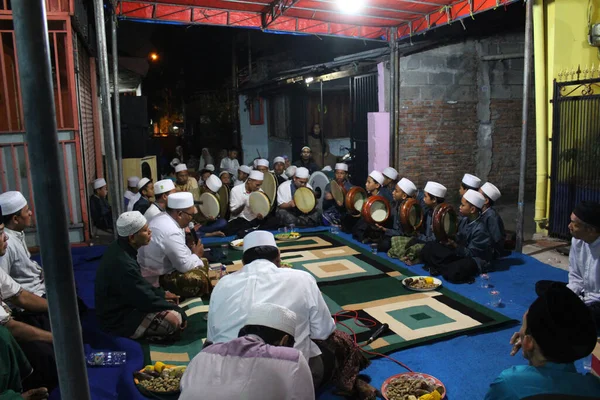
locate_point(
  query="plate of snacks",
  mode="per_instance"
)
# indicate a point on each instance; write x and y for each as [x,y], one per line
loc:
[413,386]
[422,283]
[288,236]
[237,244]
[159,378]
[286,265]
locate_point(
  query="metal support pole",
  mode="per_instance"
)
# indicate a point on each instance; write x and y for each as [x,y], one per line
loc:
[107,120]
[526,84]
[118,188]
[392,98]
[33,52]
[321,125]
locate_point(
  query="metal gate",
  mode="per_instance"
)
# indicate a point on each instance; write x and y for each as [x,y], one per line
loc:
[363,97]
[575,170]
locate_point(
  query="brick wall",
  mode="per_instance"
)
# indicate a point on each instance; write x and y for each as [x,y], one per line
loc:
[87,115]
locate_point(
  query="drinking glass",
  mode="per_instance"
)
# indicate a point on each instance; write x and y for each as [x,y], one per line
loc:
[484,281]
[495,299]
[225,249]
[374,248]
[334,229]
[291,228]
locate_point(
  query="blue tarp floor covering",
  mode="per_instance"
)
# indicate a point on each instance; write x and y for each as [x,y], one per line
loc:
[465,364]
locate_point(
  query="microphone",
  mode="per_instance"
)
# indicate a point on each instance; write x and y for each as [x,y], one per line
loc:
[378,332]
[193,232]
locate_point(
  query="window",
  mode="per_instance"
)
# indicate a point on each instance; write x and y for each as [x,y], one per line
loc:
[257,116]
[279,117]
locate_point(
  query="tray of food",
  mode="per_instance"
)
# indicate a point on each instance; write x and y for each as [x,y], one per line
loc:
[237,244]
[159,378]
[286,265]
[413,386]
[422,283]
[288,236]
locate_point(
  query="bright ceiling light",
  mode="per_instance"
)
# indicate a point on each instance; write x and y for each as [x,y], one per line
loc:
[309,80]
[153,56]
[351,6]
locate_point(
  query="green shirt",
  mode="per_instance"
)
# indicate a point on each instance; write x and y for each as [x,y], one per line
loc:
[123,296]
[14,366]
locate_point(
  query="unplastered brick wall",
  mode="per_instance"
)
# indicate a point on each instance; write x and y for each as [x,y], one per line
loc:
[461,112]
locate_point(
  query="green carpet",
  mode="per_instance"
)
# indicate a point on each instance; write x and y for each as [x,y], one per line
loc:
[351,278]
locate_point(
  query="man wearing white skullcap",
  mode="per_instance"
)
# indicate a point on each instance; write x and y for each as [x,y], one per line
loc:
[230,163]
[492,220]
[459,260]
[262,165]
[334,210]
[146,187]
[100,210]
[287,212]
[242,174]
[126,304]
[185,182]
[390,178]
[162,190]
[307,161]
[434,195]
[210,226]
[469,182]
[132,189]
[226,179]
[263,280]
[167,261]
[290,171]
[279,170]
[243,367]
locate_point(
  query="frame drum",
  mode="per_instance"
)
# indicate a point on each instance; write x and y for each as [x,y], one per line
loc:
[338,192]
[411,215]
[445,222]
[376,210]
[209,205]
[259,203]
[269,186]
[355,199]
[318,181]
[224,201]
[305,199]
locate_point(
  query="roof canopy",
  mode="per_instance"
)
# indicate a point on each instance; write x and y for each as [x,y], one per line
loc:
[376,19]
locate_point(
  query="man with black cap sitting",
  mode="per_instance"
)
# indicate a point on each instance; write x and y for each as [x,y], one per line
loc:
[557,330]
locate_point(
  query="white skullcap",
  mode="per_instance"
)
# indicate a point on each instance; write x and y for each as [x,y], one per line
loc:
[272,316]
[151,212]
[390,173]
[471,181]
[143,182]
[302,173]
[407,186]
[175,162]
[474,198]
[305,147]
[436,189]
[245,169]
[11,202]
[214,183]
[291,171]
[224,172]
[209,167]
[98,183]
[132,181]
[256,175]
[341,167]
[130,223]
[327,168]
[163,186]
[278,159]
[180,200]
[180,167]
[491,191]
[259,238]
[377,177]
[261,162]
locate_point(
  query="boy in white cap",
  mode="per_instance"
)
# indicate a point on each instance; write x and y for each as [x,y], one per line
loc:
[434,195]
[279,170]
[230,163]
[492,220]
[307,161]
[226,179]
[373,186]
[211,226]
[185,182]
[132,189]
[167,260]
[100,210]
[262,165]
[287,213]
[261,280]
[262,353]
[146,194]
[206,172]
[162,190]
[469,182]
[332,211]
[461,260]
[390,178]
[243,172]
[404,189]
[126,304]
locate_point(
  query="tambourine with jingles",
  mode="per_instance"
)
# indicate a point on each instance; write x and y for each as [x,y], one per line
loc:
[411,215]
[445,222]
[305,199]
[376,210]
[355,199]
[259,203]
[269,187]
[338,192]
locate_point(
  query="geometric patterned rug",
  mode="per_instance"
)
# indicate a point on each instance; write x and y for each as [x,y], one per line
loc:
[351,278]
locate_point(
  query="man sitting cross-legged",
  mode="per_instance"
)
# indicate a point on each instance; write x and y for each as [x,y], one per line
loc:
[126,304]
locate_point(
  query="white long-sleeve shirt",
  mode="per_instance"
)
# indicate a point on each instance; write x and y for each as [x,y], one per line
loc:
[8,288]
[18,264]
[229,165]
[284,192]
[262,282]
[247,368]
[167,251]
[584,270]
[238,197]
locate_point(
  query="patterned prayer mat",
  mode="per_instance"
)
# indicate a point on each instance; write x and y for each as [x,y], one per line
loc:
[351,278]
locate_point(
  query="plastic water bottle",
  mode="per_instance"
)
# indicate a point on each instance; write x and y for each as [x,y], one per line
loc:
[106,358]
[223,271]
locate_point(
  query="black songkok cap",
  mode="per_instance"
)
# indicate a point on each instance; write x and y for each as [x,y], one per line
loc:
[562,325]
[588,212]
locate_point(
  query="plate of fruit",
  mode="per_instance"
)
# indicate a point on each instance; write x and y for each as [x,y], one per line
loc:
[159,378]
[288,236]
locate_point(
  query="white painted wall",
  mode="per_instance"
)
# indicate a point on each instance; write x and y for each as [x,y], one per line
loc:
[253,137]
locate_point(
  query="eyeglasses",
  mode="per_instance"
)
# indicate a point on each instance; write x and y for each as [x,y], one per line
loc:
[185,212]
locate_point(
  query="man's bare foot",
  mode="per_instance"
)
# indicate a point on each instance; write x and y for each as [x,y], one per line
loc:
[35,394]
